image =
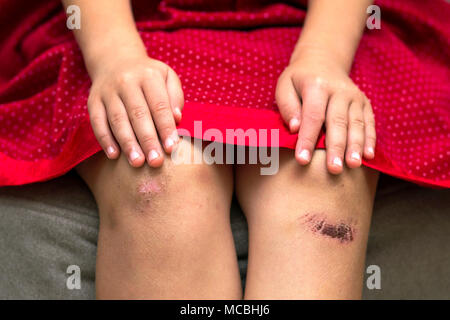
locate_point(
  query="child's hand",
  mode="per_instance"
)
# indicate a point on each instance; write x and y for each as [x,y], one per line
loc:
[315,90]
[134,99]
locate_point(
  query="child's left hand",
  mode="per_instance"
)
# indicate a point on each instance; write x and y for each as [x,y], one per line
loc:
[315,90]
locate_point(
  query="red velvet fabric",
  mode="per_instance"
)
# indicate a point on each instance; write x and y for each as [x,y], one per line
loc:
[228,54]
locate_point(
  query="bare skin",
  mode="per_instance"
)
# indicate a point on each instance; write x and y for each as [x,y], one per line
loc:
[159,239]
[308,229]
[164,228]
[135,101]
[315,88]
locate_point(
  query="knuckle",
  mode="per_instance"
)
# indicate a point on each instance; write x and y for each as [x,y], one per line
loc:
[355,146]
[148,139]
[150,73]
[159,107]
[338,147]
[283,105]
[103,137]
[117,118]
[315,82]
[371,137]
[315,116]
[352,94]
[339,121]
[139,112]
[343,87]
[127,143]
[96,121]
[351,91]
[125,78]
[357,123]
[308,141]
[165,130]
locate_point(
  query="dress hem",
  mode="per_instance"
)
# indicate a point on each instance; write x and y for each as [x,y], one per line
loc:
[211,117]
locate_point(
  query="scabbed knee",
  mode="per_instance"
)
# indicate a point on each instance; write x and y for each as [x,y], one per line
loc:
[343,230]
[149,192]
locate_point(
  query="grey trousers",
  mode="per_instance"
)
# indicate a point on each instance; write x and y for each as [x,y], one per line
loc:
[47,227]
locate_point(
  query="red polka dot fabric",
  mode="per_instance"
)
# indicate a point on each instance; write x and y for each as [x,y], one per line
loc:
[229,55]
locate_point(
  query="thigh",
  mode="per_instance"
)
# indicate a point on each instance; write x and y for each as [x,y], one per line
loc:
[308,229]
[165,232]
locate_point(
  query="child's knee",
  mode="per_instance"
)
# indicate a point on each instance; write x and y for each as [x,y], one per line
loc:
[147,207]
[341,229]
[148,194]
[171,196]
[134,197]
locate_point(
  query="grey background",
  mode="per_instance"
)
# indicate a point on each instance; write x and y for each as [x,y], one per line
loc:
[46,227]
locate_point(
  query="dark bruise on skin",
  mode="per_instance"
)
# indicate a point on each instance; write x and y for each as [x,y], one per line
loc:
[342,231]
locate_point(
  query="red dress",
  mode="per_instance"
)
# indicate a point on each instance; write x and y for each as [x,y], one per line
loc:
[228,54]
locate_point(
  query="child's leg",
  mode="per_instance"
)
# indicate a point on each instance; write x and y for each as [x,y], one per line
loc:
[164,233]
[308,229]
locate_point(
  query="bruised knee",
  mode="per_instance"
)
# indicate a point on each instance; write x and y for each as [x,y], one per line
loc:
[142,198]
[321,225]
[132,191]
[155,193]
[148,190]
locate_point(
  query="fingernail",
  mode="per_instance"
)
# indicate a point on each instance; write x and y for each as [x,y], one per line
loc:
[110,150]
[356,156]
[337,162]
[177,112]
[169,142]
[304,155]
[370,151]
[293,124]
[134,155]
[153,155]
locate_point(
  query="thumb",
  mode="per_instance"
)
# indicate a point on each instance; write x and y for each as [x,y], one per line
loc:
[288,102]
[175,92]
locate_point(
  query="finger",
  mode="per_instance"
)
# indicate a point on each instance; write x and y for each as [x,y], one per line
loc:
[288,102]
[122,130]
[175,92]
[371,136]
[337,127]
[155,91]
[356,127]
[100,126]
[315,100]
[142,123]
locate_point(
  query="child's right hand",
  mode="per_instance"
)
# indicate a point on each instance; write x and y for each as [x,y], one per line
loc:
[133,100]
